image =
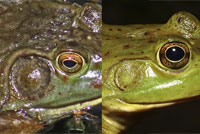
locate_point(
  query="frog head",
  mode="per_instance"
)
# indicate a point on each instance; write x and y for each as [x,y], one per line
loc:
[149,66]
[50,58]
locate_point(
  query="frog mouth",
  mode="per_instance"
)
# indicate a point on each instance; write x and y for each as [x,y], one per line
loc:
[46,114]
[129,107]
[76,104]
[181,100]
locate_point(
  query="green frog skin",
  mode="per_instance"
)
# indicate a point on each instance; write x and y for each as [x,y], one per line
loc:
[50,62]
[147,67]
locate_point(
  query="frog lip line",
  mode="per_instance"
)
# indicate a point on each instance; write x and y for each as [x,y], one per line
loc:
[74,103]
[163,102]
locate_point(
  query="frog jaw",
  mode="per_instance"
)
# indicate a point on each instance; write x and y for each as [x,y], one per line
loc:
[50,115]
[116,113]
[113,107]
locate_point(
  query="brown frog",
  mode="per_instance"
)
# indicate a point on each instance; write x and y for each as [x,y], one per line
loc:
[50,62]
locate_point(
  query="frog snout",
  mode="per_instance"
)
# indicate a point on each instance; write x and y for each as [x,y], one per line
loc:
[128,75]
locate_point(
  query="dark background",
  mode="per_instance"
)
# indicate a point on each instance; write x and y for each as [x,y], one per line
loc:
[181,118]
[92,125]
[145,12]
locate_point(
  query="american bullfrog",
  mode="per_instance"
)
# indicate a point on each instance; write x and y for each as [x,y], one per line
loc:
[50,62]
[147,67]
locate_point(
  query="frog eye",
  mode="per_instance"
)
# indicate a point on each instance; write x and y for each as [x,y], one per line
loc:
[70,62]
[174,55]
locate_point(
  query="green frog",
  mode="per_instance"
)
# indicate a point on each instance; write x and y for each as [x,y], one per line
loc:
[148,66]
[50,62]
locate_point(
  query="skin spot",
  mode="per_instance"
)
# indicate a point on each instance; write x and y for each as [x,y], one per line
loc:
[110,29]
[126,46]
[138,27]
[117,37]
[107,54]
[131,53]
[147,34]
[158,29]
[198,48]
[179,19]
[183,86]
[65,78]
[151,41]
[142,52]
[52,87]
[107,39]
[196,64]
[96,65]
[56,72]
[119,29]
[96,84]
[59,93]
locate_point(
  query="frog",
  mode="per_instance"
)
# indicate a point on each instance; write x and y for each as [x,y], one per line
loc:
[148,67]
[50,62]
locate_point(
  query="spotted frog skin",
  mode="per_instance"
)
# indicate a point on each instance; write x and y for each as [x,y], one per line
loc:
[50,62]
[148,66]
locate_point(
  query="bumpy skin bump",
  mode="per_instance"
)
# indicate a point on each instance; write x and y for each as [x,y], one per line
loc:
[32,35]
[135,80]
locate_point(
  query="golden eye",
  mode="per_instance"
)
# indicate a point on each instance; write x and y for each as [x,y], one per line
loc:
[70,62]
[174,55]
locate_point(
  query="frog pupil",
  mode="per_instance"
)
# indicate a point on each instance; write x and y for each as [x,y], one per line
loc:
[69,63]
[175,53]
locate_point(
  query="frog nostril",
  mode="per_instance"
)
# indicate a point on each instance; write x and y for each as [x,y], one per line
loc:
[128,75]
[30,77]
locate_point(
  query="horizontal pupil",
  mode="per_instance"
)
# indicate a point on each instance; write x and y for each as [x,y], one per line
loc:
[175,53]
[69,63]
